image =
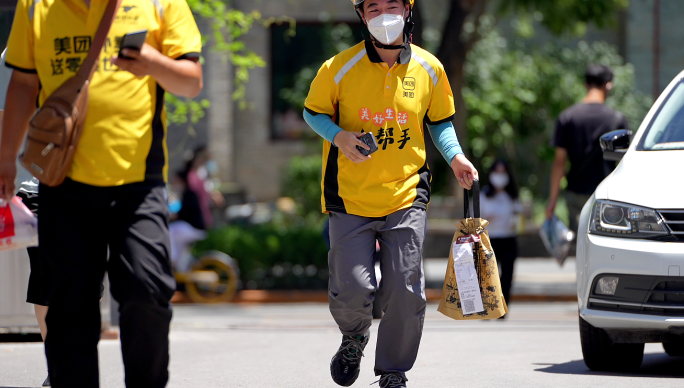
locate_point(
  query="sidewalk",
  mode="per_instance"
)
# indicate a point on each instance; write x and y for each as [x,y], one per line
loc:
[534,279]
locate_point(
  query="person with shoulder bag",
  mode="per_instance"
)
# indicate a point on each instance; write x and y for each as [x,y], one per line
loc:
[97,145]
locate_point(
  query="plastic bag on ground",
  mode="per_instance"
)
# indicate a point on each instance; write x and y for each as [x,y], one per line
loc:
[18,226]
[557,239]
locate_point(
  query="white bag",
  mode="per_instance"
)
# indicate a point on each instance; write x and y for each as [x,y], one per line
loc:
[18,226]
[557,238]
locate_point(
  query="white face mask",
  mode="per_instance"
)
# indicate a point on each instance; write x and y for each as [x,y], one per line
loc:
[386,28]
[499,180]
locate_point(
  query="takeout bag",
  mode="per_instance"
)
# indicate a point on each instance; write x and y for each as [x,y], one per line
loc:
[485,266]
[18,226]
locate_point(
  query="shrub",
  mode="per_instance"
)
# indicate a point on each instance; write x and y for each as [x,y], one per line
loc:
[273,256]
[302,182]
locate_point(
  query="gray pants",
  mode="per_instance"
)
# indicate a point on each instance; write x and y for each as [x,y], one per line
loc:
[352,289]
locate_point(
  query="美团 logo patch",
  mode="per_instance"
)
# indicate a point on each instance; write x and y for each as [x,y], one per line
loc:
[409,83]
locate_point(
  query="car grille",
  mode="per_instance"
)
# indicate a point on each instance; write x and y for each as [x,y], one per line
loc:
[666,294]
[674,220]
[641,294]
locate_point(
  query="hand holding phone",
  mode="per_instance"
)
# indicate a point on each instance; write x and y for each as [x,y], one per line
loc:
[370,141]
[132,41]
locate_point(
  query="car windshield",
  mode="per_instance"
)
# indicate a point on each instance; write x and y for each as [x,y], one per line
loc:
[666,131]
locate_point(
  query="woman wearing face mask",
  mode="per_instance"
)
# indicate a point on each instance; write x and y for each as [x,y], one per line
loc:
[500,206]
[387,87]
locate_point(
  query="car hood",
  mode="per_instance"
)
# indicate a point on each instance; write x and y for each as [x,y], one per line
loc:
[653,179]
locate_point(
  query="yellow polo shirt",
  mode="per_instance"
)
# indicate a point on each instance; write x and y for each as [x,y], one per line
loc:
[363,94]
[124,134]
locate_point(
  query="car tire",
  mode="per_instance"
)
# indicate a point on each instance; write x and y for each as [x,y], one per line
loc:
[674,349]
[601,354]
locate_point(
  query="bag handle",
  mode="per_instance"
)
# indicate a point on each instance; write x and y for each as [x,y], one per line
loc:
[476,200]
[89,65]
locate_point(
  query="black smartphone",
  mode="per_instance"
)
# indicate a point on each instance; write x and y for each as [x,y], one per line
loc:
[370,141]
[133,40]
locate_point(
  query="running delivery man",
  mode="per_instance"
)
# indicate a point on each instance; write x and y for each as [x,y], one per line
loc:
[388,87]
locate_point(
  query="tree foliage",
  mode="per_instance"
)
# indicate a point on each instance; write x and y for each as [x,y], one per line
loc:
[302,182]
[228,26]
[514,94]
[468,21]
[567,16]
[336,38]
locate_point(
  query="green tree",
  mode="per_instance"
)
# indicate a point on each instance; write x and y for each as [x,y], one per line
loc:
[228,26]
[469,20]
[514,94]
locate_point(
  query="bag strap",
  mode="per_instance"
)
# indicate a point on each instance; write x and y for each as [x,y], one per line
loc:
[88,67]
[476,200]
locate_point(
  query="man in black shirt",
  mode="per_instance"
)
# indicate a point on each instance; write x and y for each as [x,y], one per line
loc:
[577,134]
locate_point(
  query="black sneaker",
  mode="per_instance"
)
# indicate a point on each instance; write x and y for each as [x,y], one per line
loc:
[346,364]
[46,383]
[391,380]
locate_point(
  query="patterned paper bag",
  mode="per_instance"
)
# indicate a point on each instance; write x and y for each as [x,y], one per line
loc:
[493,305]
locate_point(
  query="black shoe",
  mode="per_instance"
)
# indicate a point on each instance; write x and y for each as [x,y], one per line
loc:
[346,364]
[46,383]
[391,380]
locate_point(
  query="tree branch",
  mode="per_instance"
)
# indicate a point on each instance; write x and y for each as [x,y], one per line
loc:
[478,10]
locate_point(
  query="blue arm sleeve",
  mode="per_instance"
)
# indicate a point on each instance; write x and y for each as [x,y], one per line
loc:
[444,137]
[322,125]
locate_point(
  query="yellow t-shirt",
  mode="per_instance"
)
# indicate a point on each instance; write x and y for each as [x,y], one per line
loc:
[362,94]
[124,134]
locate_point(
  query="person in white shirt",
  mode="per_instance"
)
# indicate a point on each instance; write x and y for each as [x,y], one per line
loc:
[500,206]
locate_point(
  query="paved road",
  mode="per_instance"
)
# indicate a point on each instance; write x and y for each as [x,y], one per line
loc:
[291,345]
[532,276]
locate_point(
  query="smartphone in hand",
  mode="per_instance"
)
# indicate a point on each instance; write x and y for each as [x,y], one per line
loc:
[370,141]
[133,40]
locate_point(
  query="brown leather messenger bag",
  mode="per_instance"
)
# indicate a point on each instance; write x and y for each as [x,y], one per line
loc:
[55,128]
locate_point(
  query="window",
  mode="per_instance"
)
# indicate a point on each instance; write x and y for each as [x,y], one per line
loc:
[295,62]
[666,131]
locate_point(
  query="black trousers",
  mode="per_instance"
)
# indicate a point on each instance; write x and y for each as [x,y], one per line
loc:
[78,225]
[40,279]
[506,251]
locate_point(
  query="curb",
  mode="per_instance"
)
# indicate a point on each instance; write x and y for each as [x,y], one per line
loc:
[321,296]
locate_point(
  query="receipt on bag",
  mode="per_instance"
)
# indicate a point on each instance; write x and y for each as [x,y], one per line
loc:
[466,276]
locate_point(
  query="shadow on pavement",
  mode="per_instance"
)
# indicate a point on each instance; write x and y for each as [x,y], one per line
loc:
[654,365]
[20,338]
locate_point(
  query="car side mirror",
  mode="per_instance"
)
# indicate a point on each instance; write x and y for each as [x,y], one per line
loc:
[615,144]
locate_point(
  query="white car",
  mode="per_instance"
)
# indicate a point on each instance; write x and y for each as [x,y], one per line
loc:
[630,243]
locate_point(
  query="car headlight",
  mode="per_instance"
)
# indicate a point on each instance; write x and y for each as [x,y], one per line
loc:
[622,220]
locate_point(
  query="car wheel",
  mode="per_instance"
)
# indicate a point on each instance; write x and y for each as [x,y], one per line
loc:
[674,349]
[601,354]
